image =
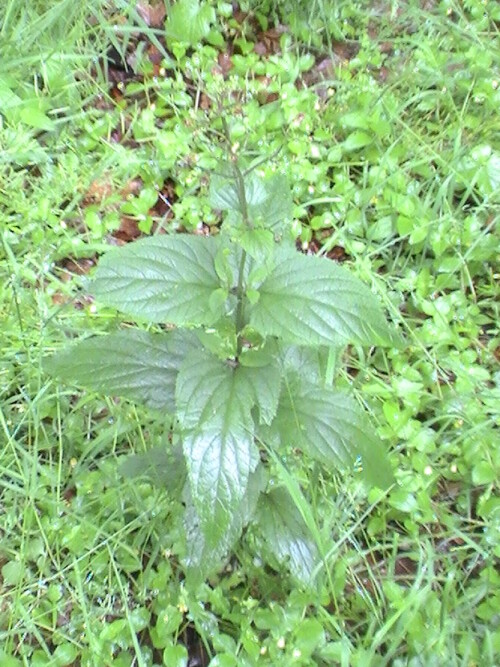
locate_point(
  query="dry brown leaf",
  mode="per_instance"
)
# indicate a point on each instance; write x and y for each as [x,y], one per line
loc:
[133,187]
[59,299]
[225,63]
[80,267]
[128,229]
[205,102]
[98,190]
[102,188]
[153,13]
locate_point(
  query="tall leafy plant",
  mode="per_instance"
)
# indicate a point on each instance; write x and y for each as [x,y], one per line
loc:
[243,366]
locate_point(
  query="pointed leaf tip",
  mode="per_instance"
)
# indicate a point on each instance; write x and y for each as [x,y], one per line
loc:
[134,364]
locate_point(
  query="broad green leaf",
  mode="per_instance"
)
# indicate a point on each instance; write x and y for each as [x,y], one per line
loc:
[163,466]
[175,655]
[21,148]
[356,140]
[223,264]
[12,572]
[264,382]
[203,560]
[8,98]
[309,637]
[255,190]
[35,117]
[261,352]
[286,534]
[134,364]
[356,119]
[8,660]
[319,365]
[258,243]
[309,362]
[257,273]
[161,279]
[220,339]
[224,193]
[331,428]
[214,407]
[312,301]
[275,212]
[218,301]
[188,21]
[64,654]
[140,205]
[30,110]
[269,201]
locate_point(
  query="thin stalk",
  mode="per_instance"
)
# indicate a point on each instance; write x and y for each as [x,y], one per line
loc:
[239,304]
[242,200]
[240,289]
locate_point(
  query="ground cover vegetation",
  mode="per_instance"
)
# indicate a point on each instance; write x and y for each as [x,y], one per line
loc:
[376,127]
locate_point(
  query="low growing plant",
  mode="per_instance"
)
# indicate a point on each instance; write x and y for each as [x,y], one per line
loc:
[250,333]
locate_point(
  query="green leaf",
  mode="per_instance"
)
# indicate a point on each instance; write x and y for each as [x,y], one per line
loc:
[261,351]
[276,211]
[163,466]
[175,655]
[258,243]
[223,264]
[252,295]
[214,407]
[217,302]
[134,364]
[356,119]
[308,362]
[202,560]
[311,301]
[140,205]
[167,624]
[10,100]
[286,534]
[65,654]
[264,382]
[33,116]
[224,193]
[188,22]
[221,339]
[255,190]
[356,140]
[269,201]
[161,279]
[309,636]
[331,428]
[12,572]
[483,472]
[257,273]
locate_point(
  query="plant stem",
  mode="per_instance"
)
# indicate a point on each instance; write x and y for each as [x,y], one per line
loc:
[240,289]
[240,293]
[242,199]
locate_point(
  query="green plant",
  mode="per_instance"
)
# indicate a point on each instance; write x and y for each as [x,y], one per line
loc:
[248,368]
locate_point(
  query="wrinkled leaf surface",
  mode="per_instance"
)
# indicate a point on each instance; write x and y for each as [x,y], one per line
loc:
[310,301]
[161,279]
